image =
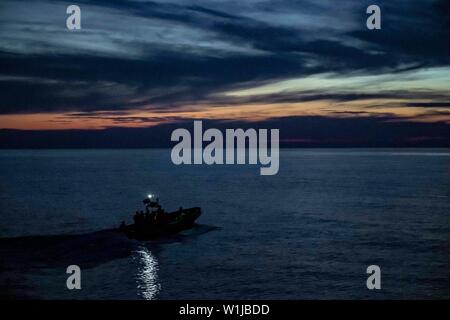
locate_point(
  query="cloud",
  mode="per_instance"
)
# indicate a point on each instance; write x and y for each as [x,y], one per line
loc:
[91,83]
[165,55]
[421,104]
[412,31]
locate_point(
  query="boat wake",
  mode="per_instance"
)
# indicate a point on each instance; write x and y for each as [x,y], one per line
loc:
[88,250]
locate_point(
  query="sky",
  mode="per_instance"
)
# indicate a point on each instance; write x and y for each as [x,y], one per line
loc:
[309,67]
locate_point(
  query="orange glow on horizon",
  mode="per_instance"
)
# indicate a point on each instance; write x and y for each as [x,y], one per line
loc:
[248,112]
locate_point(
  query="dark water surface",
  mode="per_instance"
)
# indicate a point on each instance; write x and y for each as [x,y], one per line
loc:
[308,232]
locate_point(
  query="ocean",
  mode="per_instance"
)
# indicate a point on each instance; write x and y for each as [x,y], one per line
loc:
[309,232]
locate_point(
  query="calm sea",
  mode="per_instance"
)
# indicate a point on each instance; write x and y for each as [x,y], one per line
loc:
[308,232]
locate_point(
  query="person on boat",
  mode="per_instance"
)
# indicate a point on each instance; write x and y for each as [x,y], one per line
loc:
[149,219]
[136,218]
[159,215]
[139,218]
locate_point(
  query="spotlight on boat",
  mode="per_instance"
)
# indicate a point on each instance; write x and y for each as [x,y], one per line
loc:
[150,196]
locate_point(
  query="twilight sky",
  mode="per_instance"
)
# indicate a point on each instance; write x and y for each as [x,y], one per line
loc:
[282,62]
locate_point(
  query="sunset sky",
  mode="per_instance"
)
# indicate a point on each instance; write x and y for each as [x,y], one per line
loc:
[146,64]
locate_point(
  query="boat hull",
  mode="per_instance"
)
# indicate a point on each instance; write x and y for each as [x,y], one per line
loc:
[175,222]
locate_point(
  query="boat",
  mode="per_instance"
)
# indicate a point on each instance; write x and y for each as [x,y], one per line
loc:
[155,222]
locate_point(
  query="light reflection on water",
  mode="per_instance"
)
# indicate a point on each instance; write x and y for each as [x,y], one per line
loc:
[147,276]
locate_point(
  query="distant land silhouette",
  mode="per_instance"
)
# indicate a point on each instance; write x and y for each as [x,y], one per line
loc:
[311,131]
